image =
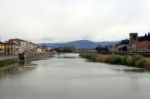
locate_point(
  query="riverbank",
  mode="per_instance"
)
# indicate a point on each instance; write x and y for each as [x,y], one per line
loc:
[128,60]
[9,62]
[4,64]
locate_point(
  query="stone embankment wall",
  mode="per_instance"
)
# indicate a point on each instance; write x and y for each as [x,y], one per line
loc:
[29,57]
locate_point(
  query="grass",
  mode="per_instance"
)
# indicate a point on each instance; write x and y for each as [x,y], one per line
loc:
[129,60]
[7,62]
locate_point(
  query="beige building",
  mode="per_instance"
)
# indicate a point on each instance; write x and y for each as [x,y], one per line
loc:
[2,48]
[46,48]
[9,48]
[22,46]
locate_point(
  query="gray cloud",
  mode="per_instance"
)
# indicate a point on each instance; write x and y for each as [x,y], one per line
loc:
[65,20]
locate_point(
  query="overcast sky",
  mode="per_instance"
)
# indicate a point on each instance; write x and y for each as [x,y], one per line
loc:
[68,20]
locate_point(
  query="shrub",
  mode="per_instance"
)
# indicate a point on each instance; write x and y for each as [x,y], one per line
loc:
[140,62]
[88,55]
[147,63]
[101,58]
[92,56]
[114,59]
[130,61]
[137,57]
[124,60]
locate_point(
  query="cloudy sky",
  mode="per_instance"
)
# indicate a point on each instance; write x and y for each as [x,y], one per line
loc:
[67,20]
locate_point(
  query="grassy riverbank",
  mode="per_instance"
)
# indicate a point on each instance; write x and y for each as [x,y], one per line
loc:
[7,62]
[129,60]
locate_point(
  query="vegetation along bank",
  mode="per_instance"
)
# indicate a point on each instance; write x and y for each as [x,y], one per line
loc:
[8,62]
[129,60]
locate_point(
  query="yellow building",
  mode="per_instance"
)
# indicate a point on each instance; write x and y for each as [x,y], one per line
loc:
[2,48]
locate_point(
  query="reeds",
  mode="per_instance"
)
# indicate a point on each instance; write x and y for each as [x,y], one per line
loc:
[129,60]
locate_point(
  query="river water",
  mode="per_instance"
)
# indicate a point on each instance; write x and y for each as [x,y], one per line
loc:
[66,76]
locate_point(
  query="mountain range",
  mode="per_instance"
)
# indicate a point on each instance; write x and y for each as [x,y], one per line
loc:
[81,44]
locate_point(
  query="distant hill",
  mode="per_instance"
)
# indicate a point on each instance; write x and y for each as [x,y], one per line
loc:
[81,44]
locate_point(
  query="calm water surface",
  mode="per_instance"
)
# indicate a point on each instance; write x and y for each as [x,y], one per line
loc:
[67,76]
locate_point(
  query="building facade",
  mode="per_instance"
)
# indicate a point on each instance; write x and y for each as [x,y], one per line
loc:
[9,48]
[18,46]
[44,49]
[2,48]
[135,43]
[139,43]
[22,46]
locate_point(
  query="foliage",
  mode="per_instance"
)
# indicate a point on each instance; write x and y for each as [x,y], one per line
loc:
[124,59]
[101,58]
[102,49]
[130,60]
[66,49]
[147,63]
[114,59]
[88,55]
[140,62]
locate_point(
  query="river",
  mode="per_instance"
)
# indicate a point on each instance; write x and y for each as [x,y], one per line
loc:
[66,76]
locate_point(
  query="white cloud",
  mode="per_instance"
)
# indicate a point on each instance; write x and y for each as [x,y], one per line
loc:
[66,20]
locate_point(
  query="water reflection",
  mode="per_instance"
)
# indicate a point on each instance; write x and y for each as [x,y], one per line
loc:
[138,70]
[19,69]
[69,56]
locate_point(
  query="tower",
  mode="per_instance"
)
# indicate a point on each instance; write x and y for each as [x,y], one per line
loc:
[133,36]
[133,40]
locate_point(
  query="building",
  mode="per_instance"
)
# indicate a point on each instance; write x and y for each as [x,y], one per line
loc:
[22,46]
[46,48]
[135,43]
[2,48]
[112,49]
[123,45]
[141,43]
[18,46]
[9,48]
[39,50]
[32,47]
[15,46]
